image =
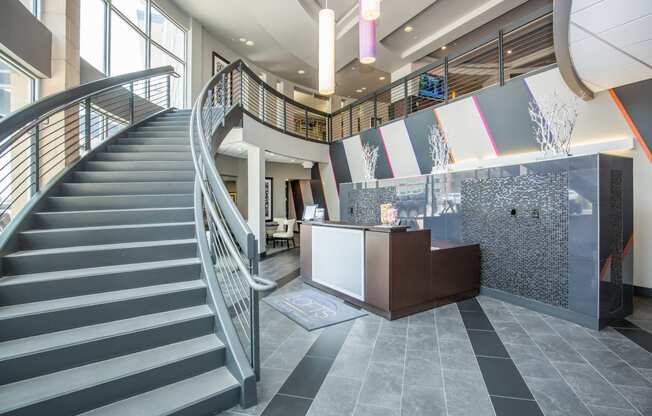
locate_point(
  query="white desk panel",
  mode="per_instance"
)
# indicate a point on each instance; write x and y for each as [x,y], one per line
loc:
[338,259]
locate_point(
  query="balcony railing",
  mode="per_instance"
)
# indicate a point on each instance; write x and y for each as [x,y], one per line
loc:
[493,61]
[497,59]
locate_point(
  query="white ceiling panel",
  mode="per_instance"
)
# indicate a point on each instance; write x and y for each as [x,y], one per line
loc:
[608,14]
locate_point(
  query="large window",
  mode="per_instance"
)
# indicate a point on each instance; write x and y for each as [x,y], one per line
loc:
[16,88]
[120,36]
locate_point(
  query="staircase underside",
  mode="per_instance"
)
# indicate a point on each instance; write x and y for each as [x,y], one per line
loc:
[103,309]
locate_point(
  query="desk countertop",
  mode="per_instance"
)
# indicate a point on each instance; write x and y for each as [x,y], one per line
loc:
[376,228]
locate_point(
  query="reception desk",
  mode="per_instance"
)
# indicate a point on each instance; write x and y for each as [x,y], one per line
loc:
[389,270]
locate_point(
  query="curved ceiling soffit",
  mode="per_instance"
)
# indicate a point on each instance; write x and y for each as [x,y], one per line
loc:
[561,27]
[273,20]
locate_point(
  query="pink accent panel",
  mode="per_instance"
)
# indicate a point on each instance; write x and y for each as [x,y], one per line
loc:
[389,159]
[486,126]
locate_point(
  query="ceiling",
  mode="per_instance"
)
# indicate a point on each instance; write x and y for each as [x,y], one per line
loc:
[239,150]
[612,31]
[285,33]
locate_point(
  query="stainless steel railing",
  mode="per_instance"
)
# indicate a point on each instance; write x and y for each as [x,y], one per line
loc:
[230,251]
[41,141]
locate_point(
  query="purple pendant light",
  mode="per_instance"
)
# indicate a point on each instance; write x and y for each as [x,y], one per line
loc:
[367,32]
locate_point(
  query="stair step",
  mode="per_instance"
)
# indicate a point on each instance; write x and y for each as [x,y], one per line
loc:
[64,219]
[168,123]
[67,258]
[30,319]
[184,141]
[134,176]
[142,156]
[205,394]
[47,353]
[100,202]
[105,234]
[120,148]
[36,287]
[84,388]
[125,188]
[177,127]
[164,133]
[140,165]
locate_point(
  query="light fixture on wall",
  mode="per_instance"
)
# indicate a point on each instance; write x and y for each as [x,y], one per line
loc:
[327,51]
[367,37]
[370,9]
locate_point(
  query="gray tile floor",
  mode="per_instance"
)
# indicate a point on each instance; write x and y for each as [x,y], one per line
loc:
[425,364]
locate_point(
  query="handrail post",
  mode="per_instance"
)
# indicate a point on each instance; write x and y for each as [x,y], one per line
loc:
[446,79]
[285,114]
[262,111]
[242,85]
[405,97]
[131,103]
[169,91]
[36,156]
[501,59]
[306,112]
[350,120]
[87,124]
[255,332]
[374,123]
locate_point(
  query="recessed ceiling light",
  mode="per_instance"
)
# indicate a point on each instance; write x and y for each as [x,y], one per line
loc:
[301,72]
[443,48]
[243,40]
[250,43]
[363,88]
[509,51]
[353,68]
[381,78]
[408,29]
[358,90]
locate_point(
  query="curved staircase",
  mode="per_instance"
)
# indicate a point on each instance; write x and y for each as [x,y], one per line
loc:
[103,308]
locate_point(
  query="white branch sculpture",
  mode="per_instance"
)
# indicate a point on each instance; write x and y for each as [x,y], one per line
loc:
[438,149]
[554,120]
[370,158]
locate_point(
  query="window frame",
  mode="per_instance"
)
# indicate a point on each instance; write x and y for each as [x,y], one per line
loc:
[110,10]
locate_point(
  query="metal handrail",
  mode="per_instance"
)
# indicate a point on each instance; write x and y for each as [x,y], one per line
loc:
[42,141]
[229,255]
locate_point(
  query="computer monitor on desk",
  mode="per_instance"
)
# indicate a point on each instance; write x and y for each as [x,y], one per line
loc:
[309,212]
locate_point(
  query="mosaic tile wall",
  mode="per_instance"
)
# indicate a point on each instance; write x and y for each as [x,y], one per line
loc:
[365,204]
[522,225]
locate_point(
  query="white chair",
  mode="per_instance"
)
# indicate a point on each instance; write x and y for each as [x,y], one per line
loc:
[280,228]
[287,235]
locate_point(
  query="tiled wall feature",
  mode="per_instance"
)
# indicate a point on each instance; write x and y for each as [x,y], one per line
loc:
[364,204]
[555,260]
[521,223]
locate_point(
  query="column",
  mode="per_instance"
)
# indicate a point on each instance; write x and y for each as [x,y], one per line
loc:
[256,194]
[62,18]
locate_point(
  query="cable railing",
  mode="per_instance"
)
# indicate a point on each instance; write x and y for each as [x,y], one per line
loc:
[228,248]
[496,59]
[507,55]
[39,142]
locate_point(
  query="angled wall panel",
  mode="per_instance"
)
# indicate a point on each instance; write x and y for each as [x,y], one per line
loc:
[353,151]
[373,137]
[418,125]
[339,163]
[399,149]
[331,194]
[505,112]
[465,130]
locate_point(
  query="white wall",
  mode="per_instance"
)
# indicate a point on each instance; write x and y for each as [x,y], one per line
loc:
[281,172]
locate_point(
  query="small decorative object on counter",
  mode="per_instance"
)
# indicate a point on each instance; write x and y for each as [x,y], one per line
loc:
[388,214]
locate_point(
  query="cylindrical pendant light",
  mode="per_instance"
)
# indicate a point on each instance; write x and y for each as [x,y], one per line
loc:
[326,52]
[370,9]
[367,36]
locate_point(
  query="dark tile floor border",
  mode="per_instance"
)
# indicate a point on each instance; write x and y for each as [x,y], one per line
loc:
[634,333]
[510,395]
[300,389]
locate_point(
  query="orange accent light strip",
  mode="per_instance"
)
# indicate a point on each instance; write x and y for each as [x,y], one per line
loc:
[630,123]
